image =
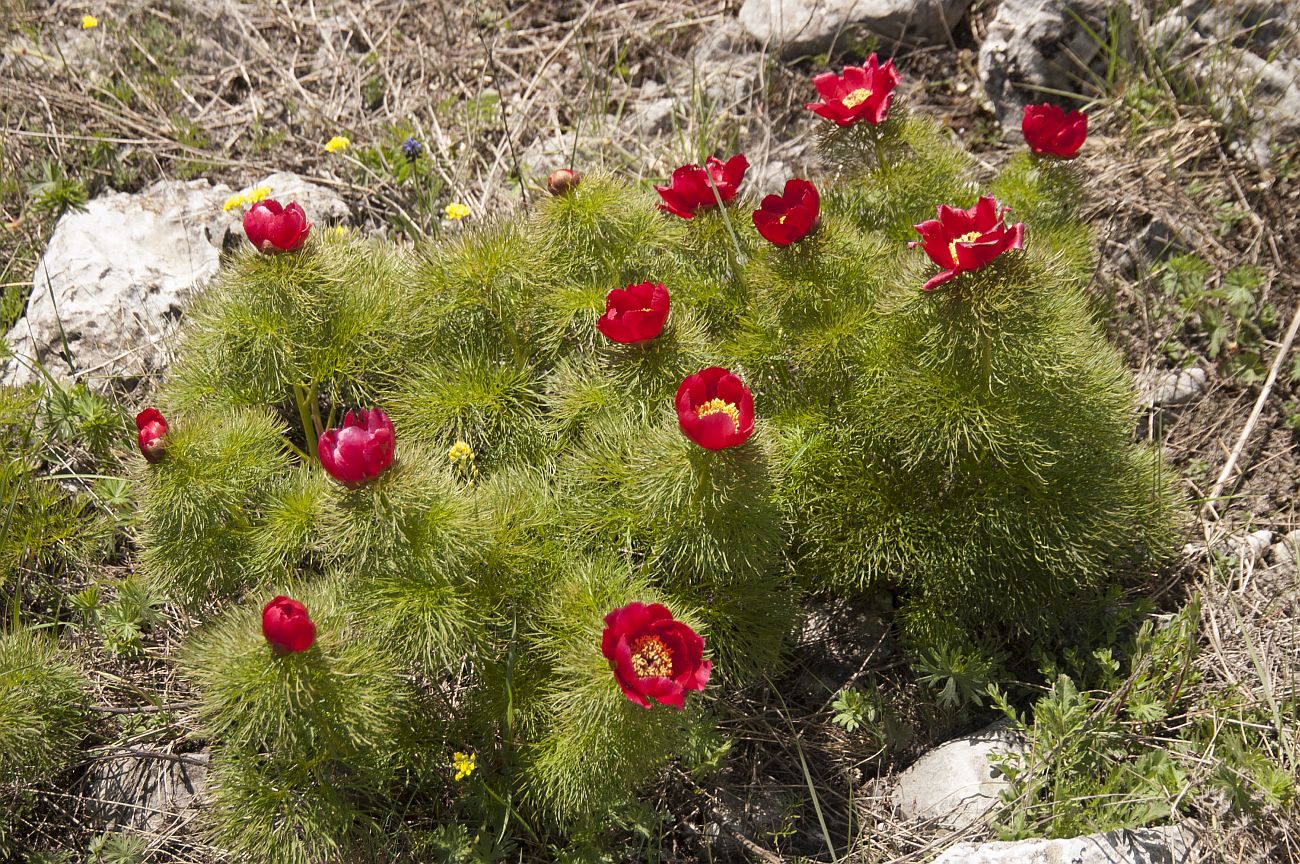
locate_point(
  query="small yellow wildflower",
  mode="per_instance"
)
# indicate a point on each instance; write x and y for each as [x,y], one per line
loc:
[237,200]
[460,452]
[456,210]
[89,22]
[341,231]
[464,763]
[337,144]
[259,193]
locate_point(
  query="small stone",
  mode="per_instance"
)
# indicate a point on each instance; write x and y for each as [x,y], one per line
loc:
[1171,387]
[797,27]
[147,794]
[1168,844]
[1285,550]
[1038,46]
[955,784]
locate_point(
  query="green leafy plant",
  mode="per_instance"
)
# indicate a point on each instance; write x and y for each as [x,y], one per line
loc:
[968,448]
[41,721]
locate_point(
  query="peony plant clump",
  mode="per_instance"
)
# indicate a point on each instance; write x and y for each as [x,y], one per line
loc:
[515,506]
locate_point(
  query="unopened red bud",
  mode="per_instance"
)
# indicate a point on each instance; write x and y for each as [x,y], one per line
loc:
[562,180]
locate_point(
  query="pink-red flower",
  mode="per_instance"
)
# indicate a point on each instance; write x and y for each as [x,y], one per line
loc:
[287,626]
[359,451]
[635,314]
[963,240]
[1050,130]
[689,191]
[151,427]
[859,93]
[789,217]
[715,409]
[653,655]
[274,229]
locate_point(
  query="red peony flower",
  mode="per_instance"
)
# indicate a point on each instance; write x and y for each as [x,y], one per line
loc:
[653,655]
[1050,131]
[689,190]
[715,409]
[273,229]
[286,625]
[361,450]
[859,93]
[151,426]
[789,217]
[961,240]
[635,314]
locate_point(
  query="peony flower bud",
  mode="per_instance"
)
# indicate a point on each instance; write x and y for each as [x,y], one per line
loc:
[151,426]
[273,229]
[360,450]
[1050,130]
[562,181]
[287,626]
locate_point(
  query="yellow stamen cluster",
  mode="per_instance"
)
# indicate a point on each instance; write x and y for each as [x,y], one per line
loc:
[456,210]
[464,763]
[856,98]
[968,237]
[651,658]
[719,406]
[337,144]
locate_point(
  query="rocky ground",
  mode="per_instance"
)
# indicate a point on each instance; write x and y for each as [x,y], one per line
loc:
[151,120]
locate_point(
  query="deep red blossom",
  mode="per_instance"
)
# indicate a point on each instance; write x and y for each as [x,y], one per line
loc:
[359,451]
[653,655]
[287,626]
[636,313]
[789,217]
[151,426]
[858,93]
[273,229]
[689,191]
[1050,130]
[962,240]
[715,409]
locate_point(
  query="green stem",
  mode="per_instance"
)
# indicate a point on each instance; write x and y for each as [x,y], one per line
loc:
[986,359]
[304,396]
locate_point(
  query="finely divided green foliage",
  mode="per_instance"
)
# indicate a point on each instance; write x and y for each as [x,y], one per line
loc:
[969,449]
[41,721]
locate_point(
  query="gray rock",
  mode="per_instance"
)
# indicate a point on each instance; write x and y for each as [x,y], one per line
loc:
[114,282]
[1036,45]
[1235,53]
[809,26]
[147,794]
[723,66]
[116,277]
[1246,547]
[954,784]
[1285,550]
[1170,387]
[1164,845]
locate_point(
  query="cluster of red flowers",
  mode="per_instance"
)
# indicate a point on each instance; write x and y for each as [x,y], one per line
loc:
[653,655]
